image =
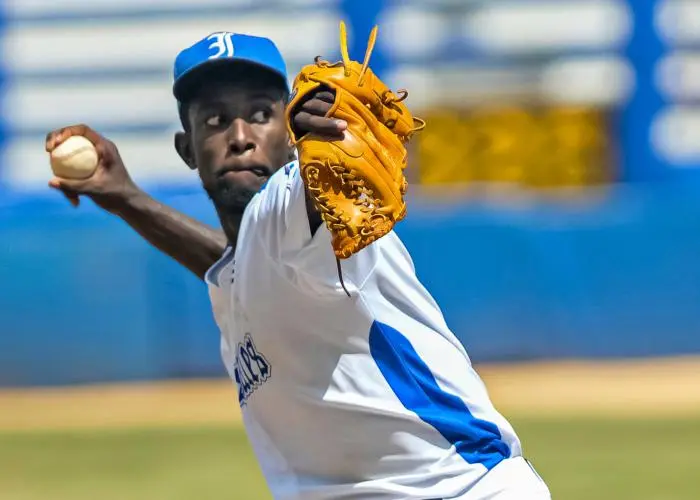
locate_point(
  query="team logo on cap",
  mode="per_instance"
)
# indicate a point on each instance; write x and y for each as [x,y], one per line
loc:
[222,43]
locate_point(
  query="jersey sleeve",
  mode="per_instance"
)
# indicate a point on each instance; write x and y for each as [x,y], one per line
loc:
[281,220]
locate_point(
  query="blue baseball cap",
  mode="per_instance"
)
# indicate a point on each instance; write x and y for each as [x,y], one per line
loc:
[224,47]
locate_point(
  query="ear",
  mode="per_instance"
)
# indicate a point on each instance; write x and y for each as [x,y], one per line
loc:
[183,145]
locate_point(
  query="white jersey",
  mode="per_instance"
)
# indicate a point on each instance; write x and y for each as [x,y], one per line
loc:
[368,396]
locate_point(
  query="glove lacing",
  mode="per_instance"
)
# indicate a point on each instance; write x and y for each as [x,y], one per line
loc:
[340,276]
[387,98]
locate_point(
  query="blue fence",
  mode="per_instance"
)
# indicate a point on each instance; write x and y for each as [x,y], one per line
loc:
[84,299]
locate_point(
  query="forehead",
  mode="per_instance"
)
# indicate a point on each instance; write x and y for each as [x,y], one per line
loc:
[232,92]
[234,83]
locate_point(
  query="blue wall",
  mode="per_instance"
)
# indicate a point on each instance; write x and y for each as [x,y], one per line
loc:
[84,299]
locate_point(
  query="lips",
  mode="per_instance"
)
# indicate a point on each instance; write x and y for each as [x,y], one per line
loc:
[258,170]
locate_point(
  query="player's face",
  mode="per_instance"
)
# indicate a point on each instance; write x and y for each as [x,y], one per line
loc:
[238,138]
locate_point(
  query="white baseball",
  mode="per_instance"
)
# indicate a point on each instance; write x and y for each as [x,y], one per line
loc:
[75,158]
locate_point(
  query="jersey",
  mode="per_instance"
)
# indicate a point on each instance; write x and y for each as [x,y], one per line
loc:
[366,396]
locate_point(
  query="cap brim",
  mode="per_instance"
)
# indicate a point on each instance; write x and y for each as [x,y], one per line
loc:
[189,80]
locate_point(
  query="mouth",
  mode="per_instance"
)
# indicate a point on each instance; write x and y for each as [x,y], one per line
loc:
[258,170]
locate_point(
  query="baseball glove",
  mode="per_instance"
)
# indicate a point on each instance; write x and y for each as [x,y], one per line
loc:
[357,184]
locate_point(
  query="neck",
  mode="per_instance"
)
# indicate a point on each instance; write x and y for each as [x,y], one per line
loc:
[231,224]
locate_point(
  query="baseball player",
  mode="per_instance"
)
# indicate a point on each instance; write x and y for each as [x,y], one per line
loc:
[369,396]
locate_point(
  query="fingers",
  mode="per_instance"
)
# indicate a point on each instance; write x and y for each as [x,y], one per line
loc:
[319,125]
[73,200]
[326,96]
[311,116]
[319,102]
[62,186]
[56,137]
[106,150]
[316,106]
[67,185]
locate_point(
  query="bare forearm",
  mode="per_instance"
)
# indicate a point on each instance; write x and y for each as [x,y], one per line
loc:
[193,244]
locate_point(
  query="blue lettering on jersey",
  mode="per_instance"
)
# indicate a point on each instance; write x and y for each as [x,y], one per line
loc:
[251,369]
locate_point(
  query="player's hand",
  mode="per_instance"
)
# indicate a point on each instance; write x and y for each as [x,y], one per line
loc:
[311,116]
[109,186]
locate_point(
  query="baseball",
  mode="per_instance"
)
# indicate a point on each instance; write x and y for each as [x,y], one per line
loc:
[75,158]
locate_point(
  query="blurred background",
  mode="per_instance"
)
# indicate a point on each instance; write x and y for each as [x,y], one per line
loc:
[554,213]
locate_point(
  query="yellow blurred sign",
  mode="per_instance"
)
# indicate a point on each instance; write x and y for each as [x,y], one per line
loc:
[545,147]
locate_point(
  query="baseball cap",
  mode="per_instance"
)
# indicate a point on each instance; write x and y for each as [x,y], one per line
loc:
[224,47]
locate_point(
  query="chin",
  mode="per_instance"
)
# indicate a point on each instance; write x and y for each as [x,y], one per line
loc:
[232,199]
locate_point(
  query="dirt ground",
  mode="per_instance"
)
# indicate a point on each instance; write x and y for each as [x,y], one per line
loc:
[618,389]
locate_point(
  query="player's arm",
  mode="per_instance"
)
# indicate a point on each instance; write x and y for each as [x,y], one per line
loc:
[193,244]
[190,242]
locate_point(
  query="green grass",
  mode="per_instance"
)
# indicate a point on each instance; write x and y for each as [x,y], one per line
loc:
[586,459]
[129,465]
[601,460]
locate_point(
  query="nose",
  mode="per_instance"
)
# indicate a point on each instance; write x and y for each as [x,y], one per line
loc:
[240,139]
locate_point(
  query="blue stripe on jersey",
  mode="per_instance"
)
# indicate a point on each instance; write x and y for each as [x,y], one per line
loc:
[477,441]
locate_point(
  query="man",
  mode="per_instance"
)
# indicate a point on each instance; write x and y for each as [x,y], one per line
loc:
[369,396]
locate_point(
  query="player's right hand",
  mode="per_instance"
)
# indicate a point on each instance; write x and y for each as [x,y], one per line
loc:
[110,185]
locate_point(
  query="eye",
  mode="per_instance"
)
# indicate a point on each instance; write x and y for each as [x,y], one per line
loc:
[262,115]
[214,121]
